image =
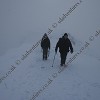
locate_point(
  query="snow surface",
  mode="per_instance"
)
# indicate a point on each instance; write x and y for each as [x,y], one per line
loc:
[22,25]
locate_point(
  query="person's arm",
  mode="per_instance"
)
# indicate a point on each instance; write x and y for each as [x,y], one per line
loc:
[49,43]
[57,45]
[71,48]
[41,42]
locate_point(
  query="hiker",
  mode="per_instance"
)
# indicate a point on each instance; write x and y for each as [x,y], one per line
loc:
[45,45]
[64,44]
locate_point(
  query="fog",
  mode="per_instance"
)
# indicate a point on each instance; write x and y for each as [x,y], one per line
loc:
[25,21]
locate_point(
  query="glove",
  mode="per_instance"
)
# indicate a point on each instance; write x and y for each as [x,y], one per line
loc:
[55,50]
[71,51]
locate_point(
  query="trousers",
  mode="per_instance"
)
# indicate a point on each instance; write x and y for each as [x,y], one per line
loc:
[63,56]
[45,53]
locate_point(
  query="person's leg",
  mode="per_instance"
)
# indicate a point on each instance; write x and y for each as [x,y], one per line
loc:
[45,51]
[63,58]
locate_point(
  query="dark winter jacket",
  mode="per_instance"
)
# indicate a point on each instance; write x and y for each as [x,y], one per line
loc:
[64,45]
[45,43]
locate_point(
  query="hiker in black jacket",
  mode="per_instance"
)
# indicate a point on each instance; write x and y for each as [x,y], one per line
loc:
[45,44]
[64,44]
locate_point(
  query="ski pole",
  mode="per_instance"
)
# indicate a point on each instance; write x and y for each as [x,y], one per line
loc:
[53,60]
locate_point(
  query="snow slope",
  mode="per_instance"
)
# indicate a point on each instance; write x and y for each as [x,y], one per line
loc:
[23,23]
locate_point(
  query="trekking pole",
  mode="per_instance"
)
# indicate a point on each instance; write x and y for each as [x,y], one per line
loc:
[53,60]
